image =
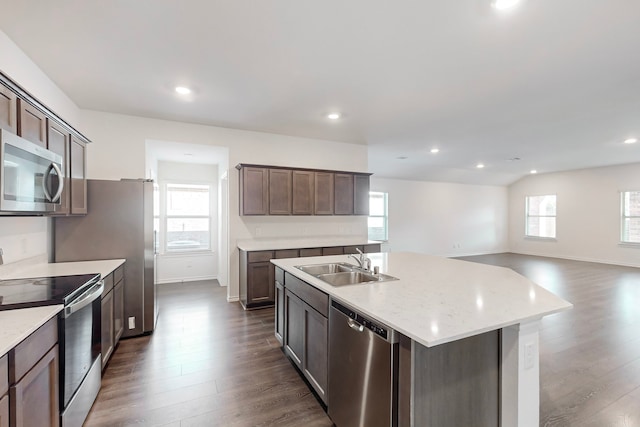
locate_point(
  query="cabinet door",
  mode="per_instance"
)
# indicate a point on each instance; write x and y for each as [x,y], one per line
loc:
[118,311]
[361,194]
[260,283]
[8,108]
[254,191]
[78,168]
[279,323]
[32,123]
[279,192]
[315,356]
[303,186]
[4,411]
[323,195]
[58,142]
[294,327]
[343,194]
[107,327]
[34,399]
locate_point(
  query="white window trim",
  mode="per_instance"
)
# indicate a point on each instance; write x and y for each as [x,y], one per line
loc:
[527,216]
[625,243]
[162,244]
[385,217]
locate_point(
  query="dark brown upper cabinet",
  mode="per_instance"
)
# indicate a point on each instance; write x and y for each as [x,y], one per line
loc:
[361,187]
[343,194]
[78,173]
[254,191]
[58,141]
[32,123]
[278,190]
[280,193]
[303,188]
[324,196]
[8,108]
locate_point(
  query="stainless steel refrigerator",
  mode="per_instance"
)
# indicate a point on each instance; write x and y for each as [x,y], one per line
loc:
[119,224]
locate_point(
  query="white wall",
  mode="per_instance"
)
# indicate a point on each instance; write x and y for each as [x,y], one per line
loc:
[443,218]
[201,265]
[26,237]
[588,214]
[119,152]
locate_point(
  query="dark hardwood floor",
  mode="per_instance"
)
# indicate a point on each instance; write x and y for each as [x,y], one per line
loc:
[209,363]
[590,355]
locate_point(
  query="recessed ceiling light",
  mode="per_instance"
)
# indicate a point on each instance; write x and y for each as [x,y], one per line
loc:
[631,141]
[479,165]
[402,157]
[504,4]
[533,171]
[183,90]
[435,150]
[333,116]
[188,154]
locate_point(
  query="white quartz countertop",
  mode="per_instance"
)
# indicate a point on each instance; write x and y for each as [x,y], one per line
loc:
[16,325]
[104,267]
[438,300]
[300,242]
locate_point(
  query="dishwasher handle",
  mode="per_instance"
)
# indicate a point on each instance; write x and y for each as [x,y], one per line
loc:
[355,325]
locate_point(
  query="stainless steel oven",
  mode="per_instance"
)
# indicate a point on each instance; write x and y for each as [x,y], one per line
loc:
[80,359]
[31,178]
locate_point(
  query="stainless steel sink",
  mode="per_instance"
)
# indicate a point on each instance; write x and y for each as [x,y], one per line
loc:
[341,274]
[318,269]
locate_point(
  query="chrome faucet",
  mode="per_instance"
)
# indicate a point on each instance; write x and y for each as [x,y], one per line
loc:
[363,261]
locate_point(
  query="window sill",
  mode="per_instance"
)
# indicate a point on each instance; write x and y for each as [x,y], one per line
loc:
[629,245]
[542,239]
[187,253]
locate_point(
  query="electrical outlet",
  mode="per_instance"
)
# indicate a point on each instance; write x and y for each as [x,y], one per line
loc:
[258,231]
[529,350]
[132,322]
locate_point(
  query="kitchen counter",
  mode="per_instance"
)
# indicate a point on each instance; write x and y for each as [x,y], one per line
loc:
[104,267]
[300,242]
[19,324]
[438,300]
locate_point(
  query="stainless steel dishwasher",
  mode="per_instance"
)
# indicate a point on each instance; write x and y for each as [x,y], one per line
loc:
[363,370]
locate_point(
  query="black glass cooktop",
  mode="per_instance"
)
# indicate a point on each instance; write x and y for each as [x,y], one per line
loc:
[39,291]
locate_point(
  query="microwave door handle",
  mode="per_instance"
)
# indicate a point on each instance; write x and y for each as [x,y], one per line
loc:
[56,196]
[47,195]
[47,174]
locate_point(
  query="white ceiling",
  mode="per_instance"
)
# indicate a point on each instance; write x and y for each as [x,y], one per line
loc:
[555,83]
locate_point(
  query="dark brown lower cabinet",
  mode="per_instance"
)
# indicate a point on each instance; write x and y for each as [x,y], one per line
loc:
[279,323]
[107,327]
[34,398]
[260,276]
[306,339]
[4,411]
[118,311]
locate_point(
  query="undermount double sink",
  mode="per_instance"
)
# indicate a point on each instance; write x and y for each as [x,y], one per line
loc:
[342,273]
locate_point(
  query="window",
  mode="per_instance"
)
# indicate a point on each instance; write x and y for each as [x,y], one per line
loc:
[630,217]
[378,216]
[187,217]
[541,216]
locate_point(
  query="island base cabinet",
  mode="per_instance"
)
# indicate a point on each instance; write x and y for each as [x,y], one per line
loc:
[294,327]
[453,384]
[279,322]
[4,411]
[34,399]
[315,356]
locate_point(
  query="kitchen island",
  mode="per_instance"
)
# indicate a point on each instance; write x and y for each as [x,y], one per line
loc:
[440,303]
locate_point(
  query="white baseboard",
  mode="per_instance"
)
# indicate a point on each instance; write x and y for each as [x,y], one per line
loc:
[233,299]
[186,279]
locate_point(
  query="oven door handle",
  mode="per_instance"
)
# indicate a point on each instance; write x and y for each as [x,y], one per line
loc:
[85,299]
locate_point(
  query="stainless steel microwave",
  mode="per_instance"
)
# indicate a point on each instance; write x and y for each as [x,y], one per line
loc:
[31,177]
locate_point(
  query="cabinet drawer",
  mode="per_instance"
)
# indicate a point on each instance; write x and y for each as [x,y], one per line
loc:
[26,354]
[108,284]
[311,252]
[280,275]
[4,375]
[287,253]
[118,274]
[260,256]
[312,296]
